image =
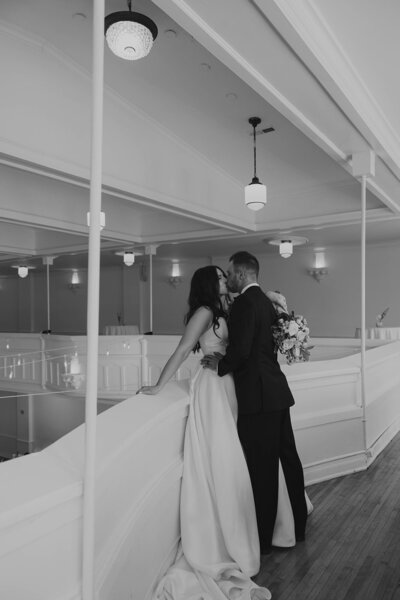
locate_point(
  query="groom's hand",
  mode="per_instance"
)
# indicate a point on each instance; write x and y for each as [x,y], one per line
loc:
[210,361]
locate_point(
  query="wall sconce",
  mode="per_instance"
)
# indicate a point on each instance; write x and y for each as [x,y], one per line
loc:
[75,283]
[318,273]
[102,220]
[320,268]
[176,277]
[286,243]
[23,270]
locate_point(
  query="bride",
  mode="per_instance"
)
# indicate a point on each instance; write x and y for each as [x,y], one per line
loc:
[219,550]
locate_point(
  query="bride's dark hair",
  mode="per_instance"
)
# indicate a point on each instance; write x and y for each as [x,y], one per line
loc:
[204,291]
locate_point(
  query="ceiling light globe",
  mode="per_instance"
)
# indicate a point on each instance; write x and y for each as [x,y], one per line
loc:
[286,249]
[23,272]
[128,40]
[129,258]
[255,195]
[130,35]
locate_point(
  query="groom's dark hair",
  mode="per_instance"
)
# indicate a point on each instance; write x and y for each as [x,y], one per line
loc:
[246,261]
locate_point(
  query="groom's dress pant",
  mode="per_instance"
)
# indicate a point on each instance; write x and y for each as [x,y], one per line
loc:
[266,438]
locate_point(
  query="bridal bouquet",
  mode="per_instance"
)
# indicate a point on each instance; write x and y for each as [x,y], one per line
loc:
[291,336]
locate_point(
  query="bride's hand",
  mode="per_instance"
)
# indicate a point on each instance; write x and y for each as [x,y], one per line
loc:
[278,300]
[150,390]
[210,361]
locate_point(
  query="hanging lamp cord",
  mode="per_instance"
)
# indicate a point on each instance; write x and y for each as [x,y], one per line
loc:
[254,150]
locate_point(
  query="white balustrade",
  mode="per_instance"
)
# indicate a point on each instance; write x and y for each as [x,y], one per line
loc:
[139,467]
[125,362]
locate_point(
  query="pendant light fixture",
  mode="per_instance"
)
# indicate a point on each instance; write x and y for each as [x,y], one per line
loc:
[23,270]
[286,248]
[129,259]
[255,194]
[128,256]
[130,35]
[286,243]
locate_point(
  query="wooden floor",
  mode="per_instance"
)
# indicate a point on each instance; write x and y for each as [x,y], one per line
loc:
[352,549]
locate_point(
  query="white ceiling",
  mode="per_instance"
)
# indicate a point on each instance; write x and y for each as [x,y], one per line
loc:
[321,73]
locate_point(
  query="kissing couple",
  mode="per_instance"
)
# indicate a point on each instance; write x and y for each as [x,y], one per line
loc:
[243,485]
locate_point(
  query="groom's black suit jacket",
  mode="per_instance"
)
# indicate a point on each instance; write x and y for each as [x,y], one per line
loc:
[260,385]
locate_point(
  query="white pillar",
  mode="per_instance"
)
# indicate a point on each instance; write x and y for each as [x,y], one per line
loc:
[151,292]
[363,165]
[93,305]
[151,251]
[48,260]
[363,323]
[48,295]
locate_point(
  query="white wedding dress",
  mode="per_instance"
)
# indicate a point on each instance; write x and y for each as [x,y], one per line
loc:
[219,550]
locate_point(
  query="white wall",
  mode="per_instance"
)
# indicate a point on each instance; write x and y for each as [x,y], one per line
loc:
[170,303]
[332,306]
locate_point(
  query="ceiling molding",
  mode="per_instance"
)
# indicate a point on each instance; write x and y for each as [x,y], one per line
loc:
[305,30]
[284,15]
[39,163]
[190,20]
[330,220]
[118,189]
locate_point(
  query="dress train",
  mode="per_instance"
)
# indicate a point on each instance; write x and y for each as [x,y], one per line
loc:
[284,532]
[219,550]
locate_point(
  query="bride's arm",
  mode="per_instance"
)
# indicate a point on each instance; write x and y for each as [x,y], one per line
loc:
[198,324]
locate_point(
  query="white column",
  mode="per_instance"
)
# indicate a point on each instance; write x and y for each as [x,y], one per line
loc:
[363,323]
[151,292]
[48,260]
[48,295]
[363,165]
[93,305]
[151,251]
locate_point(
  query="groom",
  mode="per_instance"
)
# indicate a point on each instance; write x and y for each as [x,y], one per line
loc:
[264,398]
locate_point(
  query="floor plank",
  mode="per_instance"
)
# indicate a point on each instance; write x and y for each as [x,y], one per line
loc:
[352,550]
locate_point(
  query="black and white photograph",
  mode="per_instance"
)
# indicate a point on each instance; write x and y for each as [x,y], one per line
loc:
[200,300]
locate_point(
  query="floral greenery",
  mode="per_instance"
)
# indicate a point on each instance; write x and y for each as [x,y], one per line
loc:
[380,317]
[291,337]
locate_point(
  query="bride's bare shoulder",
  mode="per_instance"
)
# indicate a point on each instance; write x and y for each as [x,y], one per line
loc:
[203,310]
[203,314]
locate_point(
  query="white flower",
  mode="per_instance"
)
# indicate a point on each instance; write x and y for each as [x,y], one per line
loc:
[291,338]
[287,345]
